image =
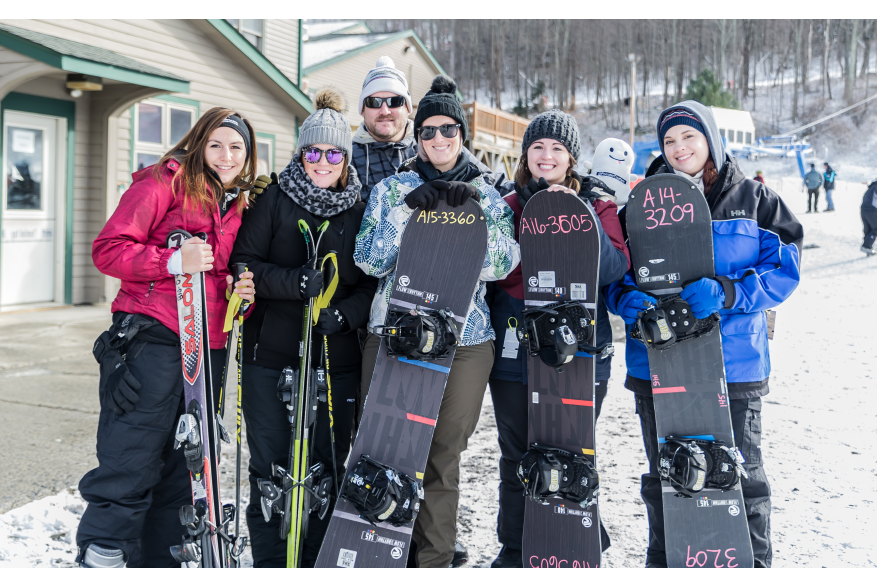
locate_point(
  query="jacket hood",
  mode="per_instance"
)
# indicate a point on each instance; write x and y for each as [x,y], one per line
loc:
[705,116]
[363,137]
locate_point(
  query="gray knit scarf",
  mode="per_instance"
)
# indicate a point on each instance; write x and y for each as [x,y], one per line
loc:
[323,202]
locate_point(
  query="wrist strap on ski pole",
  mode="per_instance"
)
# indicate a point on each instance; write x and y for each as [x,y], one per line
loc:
[325,298]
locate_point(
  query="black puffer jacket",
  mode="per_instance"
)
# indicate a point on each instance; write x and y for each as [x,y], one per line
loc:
[270,244]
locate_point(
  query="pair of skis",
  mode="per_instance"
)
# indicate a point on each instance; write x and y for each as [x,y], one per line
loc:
[289,490]
[207,542]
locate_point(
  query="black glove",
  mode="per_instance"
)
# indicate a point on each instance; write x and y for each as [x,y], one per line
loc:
[593,188]
[262,182]
[461,191]
[533,187]
[310,282]
[427,195]
[331,321]
[122,389]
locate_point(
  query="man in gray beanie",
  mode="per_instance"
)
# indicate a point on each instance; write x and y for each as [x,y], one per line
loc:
[385,139]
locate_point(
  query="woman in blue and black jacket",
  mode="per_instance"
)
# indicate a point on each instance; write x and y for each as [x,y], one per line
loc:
[757,249]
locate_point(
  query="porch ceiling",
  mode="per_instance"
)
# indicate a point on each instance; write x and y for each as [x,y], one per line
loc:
[76,57]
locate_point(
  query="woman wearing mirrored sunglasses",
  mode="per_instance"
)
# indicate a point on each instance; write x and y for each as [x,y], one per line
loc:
[317,185]
[439,171]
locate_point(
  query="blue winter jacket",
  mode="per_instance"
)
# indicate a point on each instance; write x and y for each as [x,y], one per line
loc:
[757,249]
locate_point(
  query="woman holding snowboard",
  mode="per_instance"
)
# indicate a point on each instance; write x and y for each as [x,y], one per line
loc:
[439,171]
[318,185]
[549,151]
[135,494]
[757,246]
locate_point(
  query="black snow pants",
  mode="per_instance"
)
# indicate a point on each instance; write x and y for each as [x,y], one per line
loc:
[510,406]
[268,437]
[869,224]
[135,493]
[746,423]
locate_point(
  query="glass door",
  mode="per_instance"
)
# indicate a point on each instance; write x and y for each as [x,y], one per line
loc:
[28,231]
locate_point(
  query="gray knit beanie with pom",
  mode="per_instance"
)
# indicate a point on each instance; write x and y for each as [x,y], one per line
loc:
[556,125]
[327,125]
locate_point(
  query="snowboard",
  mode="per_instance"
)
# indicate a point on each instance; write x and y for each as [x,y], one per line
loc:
[670,234]
[560,256]
[440,258]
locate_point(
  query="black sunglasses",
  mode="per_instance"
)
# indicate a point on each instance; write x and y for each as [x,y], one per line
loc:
[392,102]
[449,131]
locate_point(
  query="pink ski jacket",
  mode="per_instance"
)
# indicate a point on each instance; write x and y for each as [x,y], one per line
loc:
[133,247]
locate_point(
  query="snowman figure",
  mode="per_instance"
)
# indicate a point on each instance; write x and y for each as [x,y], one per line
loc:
[612,161]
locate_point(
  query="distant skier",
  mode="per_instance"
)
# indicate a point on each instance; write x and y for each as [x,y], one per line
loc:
[757,242]
[550,147]
[319,184]
[813,180]
[135,493]
[828,184]
[758,177]
[869,218]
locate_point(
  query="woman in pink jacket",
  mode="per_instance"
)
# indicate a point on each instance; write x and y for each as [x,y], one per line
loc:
[135,493]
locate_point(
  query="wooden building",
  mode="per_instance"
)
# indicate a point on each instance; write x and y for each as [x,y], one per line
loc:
[84,103]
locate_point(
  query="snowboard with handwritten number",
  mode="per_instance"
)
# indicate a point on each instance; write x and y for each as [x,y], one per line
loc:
[670,236]
[560,262]
[440,258]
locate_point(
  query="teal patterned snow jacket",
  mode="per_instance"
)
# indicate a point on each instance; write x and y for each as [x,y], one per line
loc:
[377,247]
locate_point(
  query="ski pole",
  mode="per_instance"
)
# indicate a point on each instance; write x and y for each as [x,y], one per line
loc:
[323,302]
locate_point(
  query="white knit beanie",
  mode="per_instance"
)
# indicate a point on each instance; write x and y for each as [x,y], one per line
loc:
[385,78]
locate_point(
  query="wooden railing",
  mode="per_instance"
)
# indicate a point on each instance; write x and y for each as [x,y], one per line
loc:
[495,122]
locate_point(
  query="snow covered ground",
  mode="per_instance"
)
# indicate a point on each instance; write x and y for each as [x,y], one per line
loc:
[820,427]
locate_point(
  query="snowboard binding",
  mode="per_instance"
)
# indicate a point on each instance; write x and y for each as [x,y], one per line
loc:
[671,321]
[548,472]
[420,334]
[691,465]
[381,493]
[556,332]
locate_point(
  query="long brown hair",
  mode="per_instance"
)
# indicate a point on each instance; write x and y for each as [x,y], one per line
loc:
[523,175]
[199,186]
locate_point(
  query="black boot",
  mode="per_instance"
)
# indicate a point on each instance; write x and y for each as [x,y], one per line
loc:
[508,558]
[461,556]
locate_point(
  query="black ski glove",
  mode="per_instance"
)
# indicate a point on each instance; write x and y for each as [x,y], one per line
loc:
[525,192]
[262,183]
[310,282]
[427,195]
[331,321]
[593,188]
[459,192]
[122,389]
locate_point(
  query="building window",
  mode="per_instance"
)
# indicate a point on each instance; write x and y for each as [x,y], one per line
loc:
[739,136]
[264,156]
[252,29]
[722,132]
[749,138]
[157,127]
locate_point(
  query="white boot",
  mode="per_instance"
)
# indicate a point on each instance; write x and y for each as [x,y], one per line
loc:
[101,557]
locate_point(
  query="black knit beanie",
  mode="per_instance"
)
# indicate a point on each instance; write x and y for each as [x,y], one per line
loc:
[441,100]
[555,125]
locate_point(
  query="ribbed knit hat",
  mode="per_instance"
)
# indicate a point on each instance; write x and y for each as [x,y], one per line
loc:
[327,125]
[385,78]
[555,125]
[441,100]
[679,117]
